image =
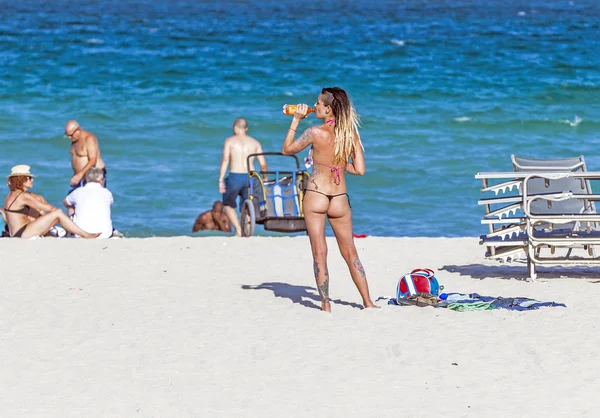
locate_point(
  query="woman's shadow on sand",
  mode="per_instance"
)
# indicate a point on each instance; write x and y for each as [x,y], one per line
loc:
[298,294]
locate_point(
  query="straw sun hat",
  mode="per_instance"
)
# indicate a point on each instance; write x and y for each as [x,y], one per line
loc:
[20,170]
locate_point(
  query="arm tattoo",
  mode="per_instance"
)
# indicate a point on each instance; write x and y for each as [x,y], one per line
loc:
[305,137]
[314,175]
[324,287]
[358,265]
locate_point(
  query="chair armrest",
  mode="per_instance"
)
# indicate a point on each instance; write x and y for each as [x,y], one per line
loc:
[498,200]
[507,185]
[506,210]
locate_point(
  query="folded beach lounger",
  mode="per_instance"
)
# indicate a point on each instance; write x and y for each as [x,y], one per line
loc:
[541,206]
[504,213]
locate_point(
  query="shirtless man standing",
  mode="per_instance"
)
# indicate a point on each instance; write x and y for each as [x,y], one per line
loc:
[85,153]
[235,153]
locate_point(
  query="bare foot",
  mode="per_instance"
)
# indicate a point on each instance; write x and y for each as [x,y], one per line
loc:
[370,304]
[326,306]
[88,236]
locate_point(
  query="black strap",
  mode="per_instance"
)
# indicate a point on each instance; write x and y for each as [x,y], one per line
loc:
[12,203]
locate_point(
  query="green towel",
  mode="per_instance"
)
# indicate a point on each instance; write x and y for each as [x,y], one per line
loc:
[476,306]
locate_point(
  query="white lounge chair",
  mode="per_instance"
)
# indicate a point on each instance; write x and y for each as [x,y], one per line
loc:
[536,209]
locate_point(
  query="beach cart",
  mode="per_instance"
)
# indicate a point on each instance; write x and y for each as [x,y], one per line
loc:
[275,203]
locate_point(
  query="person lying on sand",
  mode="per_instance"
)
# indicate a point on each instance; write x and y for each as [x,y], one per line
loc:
[213,220]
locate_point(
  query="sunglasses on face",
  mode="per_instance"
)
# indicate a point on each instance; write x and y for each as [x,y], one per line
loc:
[71,134]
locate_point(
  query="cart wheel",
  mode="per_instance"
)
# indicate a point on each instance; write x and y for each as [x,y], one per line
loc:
[248,219]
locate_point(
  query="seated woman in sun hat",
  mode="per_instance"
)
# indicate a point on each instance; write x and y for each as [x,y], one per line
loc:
[28,214]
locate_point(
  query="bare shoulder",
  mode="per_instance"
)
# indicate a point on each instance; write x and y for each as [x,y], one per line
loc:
[29,197]
[255,142]
[320,131]
[229,145]
[8,198]
[91,138]
[314,133]
[229,141]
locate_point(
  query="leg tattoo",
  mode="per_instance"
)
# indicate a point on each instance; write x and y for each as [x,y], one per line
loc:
[324,287]
[358,265]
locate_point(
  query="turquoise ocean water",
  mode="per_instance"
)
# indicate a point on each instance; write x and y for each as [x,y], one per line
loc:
[444,89]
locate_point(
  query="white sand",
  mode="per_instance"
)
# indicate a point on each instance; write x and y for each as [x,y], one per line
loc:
[169,327]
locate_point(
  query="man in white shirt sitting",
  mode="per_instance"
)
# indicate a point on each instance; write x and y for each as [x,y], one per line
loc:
[92,204]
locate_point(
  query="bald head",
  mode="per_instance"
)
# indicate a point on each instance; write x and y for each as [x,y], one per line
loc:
[217,206]
[72,125]
[240,126]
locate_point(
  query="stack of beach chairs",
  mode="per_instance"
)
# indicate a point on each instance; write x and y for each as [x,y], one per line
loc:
[543,212]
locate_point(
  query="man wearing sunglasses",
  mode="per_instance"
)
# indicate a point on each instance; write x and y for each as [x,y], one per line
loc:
[85,153]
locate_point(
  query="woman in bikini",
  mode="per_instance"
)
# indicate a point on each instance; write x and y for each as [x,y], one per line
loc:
[336,149]
[29,215]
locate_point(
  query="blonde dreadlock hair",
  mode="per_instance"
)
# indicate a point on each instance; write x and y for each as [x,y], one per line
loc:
[346,123]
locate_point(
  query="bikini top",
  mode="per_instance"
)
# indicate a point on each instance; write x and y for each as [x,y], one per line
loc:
[23,211]
[335,169]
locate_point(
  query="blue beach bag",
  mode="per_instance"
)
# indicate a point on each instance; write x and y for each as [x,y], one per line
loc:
[418,281]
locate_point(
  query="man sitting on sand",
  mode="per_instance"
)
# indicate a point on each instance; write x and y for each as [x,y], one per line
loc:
[235,152]
[213,220]
[91,204]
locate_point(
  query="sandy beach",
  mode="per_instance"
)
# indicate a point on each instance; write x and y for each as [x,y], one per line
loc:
[230,327]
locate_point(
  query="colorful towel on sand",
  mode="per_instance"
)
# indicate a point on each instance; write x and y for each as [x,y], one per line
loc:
[456,300]
[475,302]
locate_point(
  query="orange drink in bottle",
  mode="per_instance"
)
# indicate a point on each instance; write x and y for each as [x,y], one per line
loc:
[289,109]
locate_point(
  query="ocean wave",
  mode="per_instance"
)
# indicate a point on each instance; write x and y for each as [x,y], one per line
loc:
[462,119]
[94,41]
[573,123]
